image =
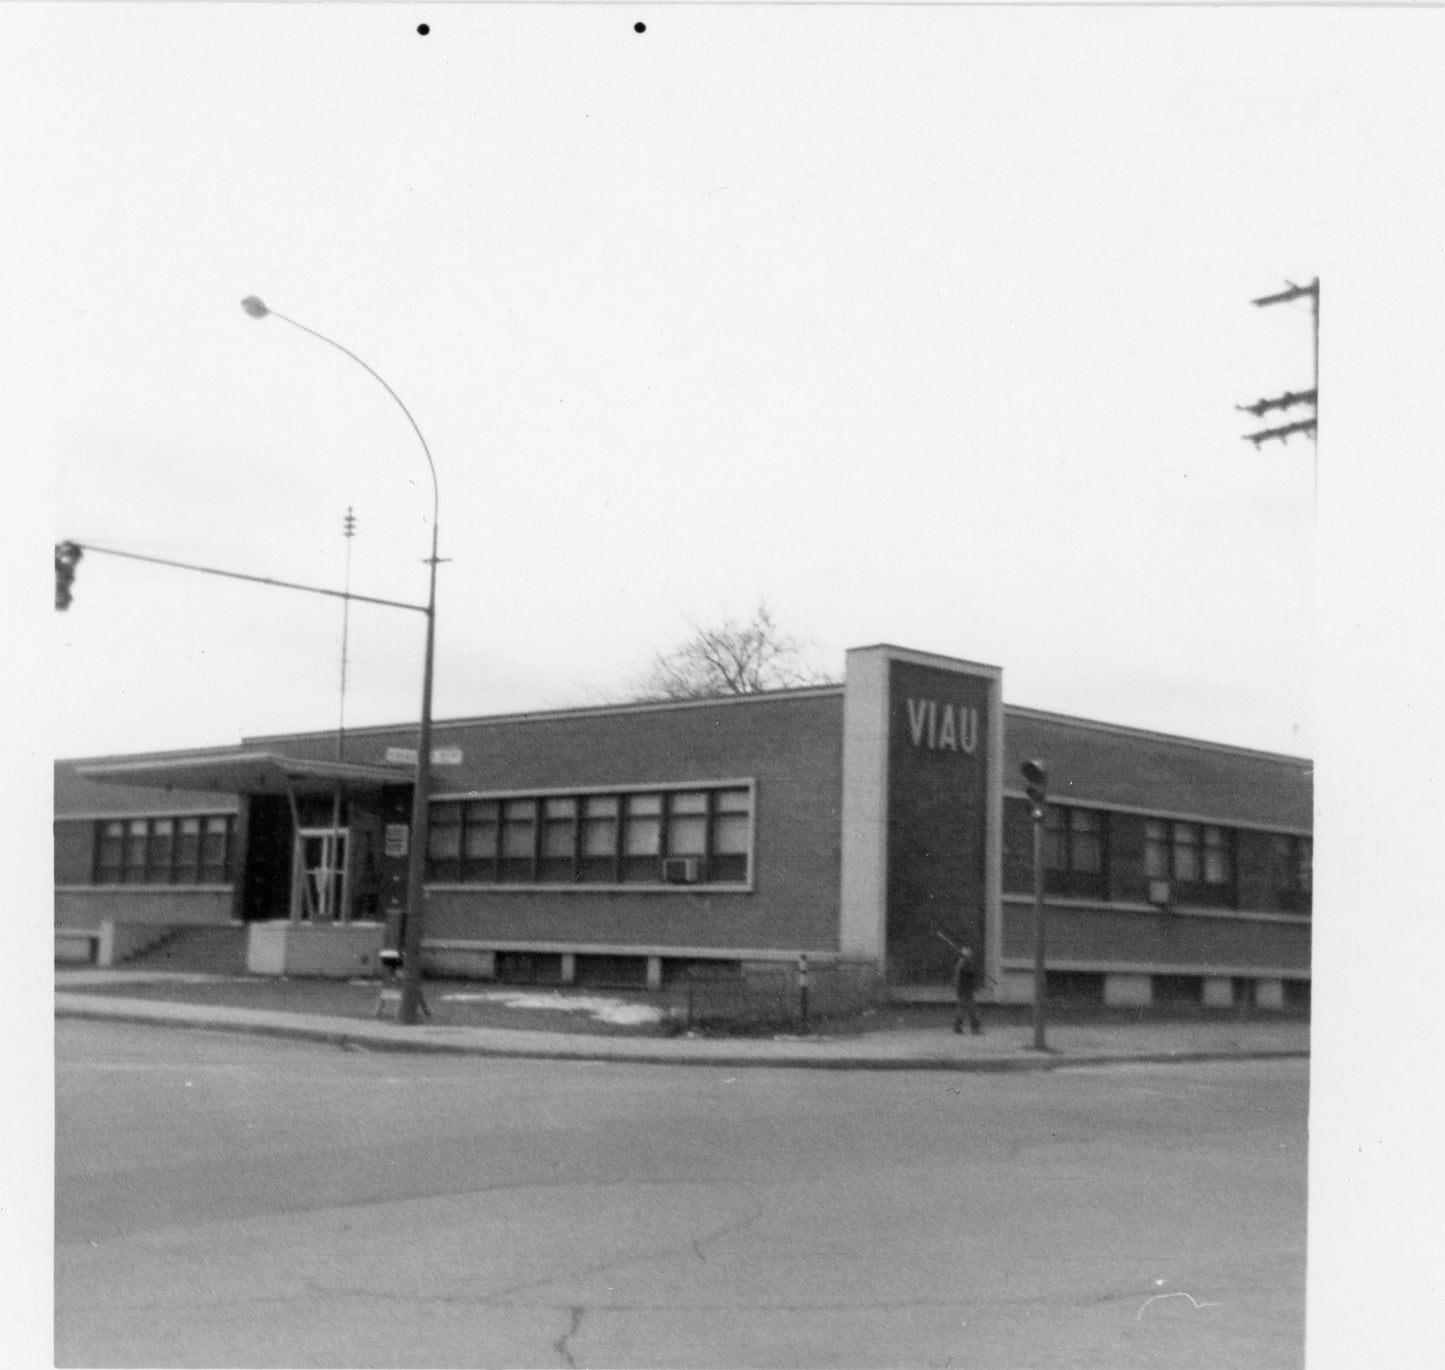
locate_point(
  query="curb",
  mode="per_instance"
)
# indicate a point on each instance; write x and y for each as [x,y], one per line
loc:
[366,1038]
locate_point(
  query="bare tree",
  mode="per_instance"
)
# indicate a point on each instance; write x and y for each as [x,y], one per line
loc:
[729,658]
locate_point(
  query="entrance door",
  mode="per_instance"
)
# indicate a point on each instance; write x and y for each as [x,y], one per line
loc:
[318,876]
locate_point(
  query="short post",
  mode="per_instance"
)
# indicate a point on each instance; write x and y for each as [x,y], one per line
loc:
[803,989]
[1036,782]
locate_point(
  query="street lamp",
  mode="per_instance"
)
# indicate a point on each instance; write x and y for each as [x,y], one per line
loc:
[416,865]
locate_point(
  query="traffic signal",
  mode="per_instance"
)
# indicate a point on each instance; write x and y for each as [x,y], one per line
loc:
[67,557]
[1036,780]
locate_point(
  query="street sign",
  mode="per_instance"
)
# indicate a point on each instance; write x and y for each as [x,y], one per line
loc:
[440,756]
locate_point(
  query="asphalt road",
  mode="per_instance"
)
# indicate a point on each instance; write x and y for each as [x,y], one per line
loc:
[253,1202]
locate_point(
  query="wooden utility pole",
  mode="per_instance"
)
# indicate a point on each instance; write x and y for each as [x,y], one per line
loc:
[1290,398]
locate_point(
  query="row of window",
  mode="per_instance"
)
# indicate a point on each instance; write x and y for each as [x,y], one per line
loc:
[1190,853]
[197,850]
[688,836]
[1199,858]
[701,836]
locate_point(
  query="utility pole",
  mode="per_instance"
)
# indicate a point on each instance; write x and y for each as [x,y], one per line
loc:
[1290,398]
[1036,782]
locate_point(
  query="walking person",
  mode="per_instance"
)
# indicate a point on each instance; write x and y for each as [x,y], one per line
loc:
[965,972]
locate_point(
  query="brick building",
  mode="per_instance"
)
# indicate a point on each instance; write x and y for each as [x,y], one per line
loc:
[852,823]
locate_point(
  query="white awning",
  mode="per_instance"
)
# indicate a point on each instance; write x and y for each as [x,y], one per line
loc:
[243,772]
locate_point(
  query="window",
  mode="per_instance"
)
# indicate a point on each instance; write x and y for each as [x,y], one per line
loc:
[165,851]
[162,845]
[462,841]
[110,842]
[215,848]
[519,841]
[444,841]
[1196,858]
[1073,850]
[1292,871]
[482,839]
[642,838]
[731,835]
[597,839]
[188,844]
[135,851]
[1073,839]
[558,858]
[1186,852]
[687,824]
[1156,850]
[1218,861]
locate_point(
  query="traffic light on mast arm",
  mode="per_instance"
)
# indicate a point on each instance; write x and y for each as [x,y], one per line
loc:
[67,557]
[1036,780]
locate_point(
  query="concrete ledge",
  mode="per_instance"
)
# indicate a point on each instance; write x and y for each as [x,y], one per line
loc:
[77,946]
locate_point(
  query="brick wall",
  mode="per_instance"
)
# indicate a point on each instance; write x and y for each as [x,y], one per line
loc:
[74,851]
[1119,938]
[937,818]
[789,745]
[162,904]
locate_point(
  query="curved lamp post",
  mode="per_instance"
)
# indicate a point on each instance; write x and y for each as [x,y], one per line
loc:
[416,865]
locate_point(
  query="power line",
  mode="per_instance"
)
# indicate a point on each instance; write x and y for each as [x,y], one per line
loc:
[1291,398]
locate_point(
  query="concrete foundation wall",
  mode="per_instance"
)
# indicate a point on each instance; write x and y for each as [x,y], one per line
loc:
[1015,987]
[337,951]
[1132,991]
[1101,933]
[1269,994]
[155,904]
[1218,991]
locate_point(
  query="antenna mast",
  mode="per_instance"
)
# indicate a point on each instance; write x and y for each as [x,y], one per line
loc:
[348,531]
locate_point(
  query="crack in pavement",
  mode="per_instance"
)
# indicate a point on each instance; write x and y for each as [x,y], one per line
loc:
[560,1345]
[697,1244]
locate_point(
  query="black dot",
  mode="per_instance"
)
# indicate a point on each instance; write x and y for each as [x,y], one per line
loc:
[639,28]
[423,29]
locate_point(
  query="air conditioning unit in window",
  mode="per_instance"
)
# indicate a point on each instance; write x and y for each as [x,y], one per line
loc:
[681,870]
[1159,893]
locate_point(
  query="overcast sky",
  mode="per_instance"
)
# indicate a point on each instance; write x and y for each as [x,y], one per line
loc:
[924,325]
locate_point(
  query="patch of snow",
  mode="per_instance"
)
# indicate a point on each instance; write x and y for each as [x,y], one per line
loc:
[618,1012]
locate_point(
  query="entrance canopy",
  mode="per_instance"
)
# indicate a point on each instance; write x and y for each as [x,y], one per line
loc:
[244,772]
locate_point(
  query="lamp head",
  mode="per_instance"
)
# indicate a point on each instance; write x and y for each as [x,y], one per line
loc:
[254,307]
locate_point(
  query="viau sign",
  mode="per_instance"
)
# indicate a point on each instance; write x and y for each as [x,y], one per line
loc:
[942,727]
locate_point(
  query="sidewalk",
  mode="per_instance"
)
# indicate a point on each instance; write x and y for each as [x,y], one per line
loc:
[80,994]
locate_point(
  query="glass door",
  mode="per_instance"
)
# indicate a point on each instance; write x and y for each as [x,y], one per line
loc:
[318,876]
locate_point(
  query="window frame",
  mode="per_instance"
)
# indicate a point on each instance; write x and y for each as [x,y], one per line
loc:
[1063,839]
[1291,871]
[1185,845]
[615,817]
[156,851]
